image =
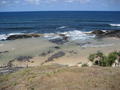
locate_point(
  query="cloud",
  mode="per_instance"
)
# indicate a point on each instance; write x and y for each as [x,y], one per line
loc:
[7,2]
[37,2]
[65,1]
[33,1]
[80,1]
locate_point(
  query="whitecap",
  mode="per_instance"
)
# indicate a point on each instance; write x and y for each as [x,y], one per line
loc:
[62,27]
[115,25]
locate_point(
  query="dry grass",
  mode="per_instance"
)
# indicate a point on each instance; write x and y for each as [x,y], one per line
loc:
[62,78]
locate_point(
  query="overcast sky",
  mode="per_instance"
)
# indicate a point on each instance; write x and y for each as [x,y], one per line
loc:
[59,5]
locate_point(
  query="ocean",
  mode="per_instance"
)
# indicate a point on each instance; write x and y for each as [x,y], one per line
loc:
[57,22]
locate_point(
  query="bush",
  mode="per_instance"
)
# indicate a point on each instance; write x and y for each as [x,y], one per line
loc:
[104,60]
[92,57]
[95,55]
[111,58]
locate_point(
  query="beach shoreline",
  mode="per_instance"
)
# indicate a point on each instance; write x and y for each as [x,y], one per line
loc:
[36,51]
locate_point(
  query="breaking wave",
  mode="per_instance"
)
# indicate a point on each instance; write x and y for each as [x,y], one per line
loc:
[5,36]
[115,25]
[72,35]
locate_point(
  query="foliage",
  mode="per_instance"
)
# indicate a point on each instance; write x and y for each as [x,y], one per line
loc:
[104,60]
[91,57]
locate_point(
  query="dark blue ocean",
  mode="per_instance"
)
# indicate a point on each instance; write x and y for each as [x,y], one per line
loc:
[58,21]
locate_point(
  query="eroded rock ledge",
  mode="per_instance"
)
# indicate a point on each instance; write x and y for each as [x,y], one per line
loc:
[107,33]
[22,36]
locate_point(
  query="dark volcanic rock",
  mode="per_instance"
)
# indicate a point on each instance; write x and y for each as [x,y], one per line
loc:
[57,47]
[8,70]
[56,55]
[4,52]
[114,33]
[98,32]
[108,33]
[21,36]
[24,58]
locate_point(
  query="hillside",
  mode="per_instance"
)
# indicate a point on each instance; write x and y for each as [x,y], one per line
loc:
[57,77]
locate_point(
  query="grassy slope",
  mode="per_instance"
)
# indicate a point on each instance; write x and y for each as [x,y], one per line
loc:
[62,78]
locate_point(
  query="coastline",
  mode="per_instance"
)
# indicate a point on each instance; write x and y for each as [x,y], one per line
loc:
[40,49]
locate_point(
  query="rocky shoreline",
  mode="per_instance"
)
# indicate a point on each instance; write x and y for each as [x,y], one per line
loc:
[106,33]
[50,54]
[98,33]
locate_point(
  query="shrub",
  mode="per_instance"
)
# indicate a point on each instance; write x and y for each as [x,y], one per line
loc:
[91,57]
[104,60]
[111,58]
[100,54]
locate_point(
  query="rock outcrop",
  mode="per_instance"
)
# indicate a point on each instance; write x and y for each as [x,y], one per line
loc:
[107,33]
[22,36]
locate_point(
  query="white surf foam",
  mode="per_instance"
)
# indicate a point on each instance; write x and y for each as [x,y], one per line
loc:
[76,35]
[72,35]
[51,36]
[4,36]
[115,25]
[62,27]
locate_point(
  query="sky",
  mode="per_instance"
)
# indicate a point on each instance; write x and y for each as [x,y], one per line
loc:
[59,5]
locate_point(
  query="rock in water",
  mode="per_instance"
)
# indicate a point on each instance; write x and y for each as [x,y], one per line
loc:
[113,33]
[21,36]
[98,32]
[108,33]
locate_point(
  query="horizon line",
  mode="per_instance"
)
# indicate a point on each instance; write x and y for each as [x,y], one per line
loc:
[65,11]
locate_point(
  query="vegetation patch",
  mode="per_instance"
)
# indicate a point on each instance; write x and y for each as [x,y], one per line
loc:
[105,60]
